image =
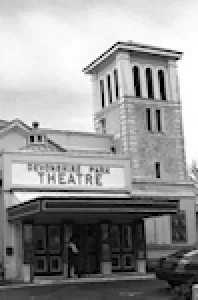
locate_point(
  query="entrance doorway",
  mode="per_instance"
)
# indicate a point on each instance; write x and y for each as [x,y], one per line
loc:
[47,250]
[89,242]
[122,248]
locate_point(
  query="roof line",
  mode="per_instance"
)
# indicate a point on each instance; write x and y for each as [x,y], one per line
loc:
[51,130]
[129,45]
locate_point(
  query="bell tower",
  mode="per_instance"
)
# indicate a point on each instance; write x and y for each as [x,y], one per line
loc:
[136,98]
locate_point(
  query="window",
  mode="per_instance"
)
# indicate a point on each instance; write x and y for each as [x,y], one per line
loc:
[148,119]
[136,81]
[103,125]
[40,138]
[178,226]
[149,81]
[113,149]
[158,120]
[102,94]
[116,83]
[157,170]
[31,138]
[109,88]
[162,88]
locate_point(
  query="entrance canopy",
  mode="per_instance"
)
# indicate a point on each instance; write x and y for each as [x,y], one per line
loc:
[35,204]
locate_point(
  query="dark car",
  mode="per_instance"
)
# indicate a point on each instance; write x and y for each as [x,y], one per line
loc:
[180,268]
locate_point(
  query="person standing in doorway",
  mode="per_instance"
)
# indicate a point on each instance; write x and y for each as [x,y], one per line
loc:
[73,252]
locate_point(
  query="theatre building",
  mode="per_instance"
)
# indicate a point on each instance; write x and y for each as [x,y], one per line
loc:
[115,190]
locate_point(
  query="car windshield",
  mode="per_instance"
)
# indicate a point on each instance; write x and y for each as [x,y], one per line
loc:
[181,252]
[191,253]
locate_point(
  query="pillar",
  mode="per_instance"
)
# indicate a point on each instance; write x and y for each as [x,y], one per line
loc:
[28,257]
[173,82]
[143,83]
[123,64]
[156,84]
[67,236]
[140,246]
[106,267]
[19,249]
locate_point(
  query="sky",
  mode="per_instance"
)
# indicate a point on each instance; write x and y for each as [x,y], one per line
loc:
[44,45]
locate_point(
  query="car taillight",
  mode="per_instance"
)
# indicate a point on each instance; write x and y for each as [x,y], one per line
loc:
[182,264]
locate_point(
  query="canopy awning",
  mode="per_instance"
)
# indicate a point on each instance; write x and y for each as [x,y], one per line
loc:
[32,204]
[22,197]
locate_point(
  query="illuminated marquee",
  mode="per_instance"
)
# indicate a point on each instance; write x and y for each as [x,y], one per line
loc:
[67,174]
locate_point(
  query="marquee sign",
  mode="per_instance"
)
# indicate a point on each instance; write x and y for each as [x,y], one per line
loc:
[67,175]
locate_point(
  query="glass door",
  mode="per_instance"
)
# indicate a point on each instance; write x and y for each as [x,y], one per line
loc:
[122,248]
[47,250]
[54,249]
[116,248]
[127,251]
[40,246]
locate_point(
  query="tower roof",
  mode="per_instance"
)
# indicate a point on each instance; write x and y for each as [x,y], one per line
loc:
[134,47]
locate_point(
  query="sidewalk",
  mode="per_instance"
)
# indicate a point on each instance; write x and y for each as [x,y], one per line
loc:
[39,281]
[117,287]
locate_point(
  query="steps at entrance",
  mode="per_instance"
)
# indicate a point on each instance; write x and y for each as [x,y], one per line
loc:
[40,279]
[126,275]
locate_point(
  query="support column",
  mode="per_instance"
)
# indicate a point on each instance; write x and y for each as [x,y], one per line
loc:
[28,258]
[106,266]
[156,85]
[141,247]
[19,249]
[143,83]
[67,236]
[124,68]
[173,82]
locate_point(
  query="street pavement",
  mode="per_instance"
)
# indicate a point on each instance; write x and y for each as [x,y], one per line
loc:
[119,290]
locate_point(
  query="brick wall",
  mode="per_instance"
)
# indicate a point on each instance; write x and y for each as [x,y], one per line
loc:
[147,147]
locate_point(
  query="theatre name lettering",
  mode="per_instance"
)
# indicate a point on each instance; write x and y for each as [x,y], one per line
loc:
[68,175]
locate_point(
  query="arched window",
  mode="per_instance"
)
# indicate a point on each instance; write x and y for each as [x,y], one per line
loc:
[109,88]
[116,83]
[136,81]
[102,94]
[149,81]
[162,88]
[158,120]
[149,119]
[157,169]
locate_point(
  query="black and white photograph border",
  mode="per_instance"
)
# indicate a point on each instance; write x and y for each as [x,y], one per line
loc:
[98,159]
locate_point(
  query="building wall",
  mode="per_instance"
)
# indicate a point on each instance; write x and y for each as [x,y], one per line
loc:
[158,230]
[189,206]
[129,118]
[112,117]
[107,67]
[11,236]
[13,140]
[148,147]
[10,262]
[2,222]
[80,140]
[145,148]
[144,59]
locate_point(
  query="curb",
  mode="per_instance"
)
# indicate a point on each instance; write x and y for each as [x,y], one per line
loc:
[79,281]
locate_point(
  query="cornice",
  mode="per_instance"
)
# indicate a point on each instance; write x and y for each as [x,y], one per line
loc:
[135,47]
